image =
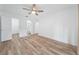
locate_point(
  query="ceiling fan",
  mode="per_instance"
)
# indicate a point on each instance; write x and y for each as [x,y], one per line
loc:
[33,10]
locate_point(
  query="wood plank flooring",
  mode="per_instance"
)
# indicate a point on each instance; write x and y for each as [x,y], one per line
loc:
[35,45]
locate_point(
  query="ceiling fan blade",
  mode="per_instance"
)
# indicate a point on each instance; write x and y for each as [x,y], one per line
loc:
[36,14]
[40,11]
[29,13]
[26,9]
[34,5]
[26,16]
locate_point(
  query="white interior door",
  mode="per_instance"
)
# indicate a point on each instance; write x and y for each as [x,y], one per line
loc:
[15,25]
[29,27]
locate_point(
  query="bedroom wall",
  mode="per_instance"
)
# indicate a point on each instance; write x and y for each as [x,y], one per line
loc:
[60,26]
[11,24]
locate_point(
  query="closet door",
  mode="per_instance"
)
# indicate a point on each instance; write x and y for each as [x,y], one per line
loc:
[5,28]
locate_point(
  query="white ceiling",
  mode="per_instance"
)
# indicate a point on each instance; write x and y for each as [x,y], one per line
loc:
[16,9]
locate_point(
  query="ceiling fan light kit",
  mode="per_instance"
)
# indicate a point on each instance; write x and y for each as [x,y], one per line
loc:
[34,10]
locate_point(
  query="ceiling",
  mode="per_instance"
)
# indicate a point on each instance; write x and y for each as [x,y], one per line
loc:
[16,9]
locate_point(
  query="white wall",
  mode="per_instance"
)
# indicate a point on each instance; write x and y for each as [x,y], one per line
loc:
[60,26]
[11,24]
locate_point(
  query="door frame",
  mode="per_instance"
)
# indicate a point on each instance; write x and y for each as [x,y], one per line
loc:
[78,31]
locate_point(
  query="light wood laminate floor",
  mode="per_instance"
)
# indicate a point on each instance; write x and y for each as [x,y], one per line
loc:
[35,45]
